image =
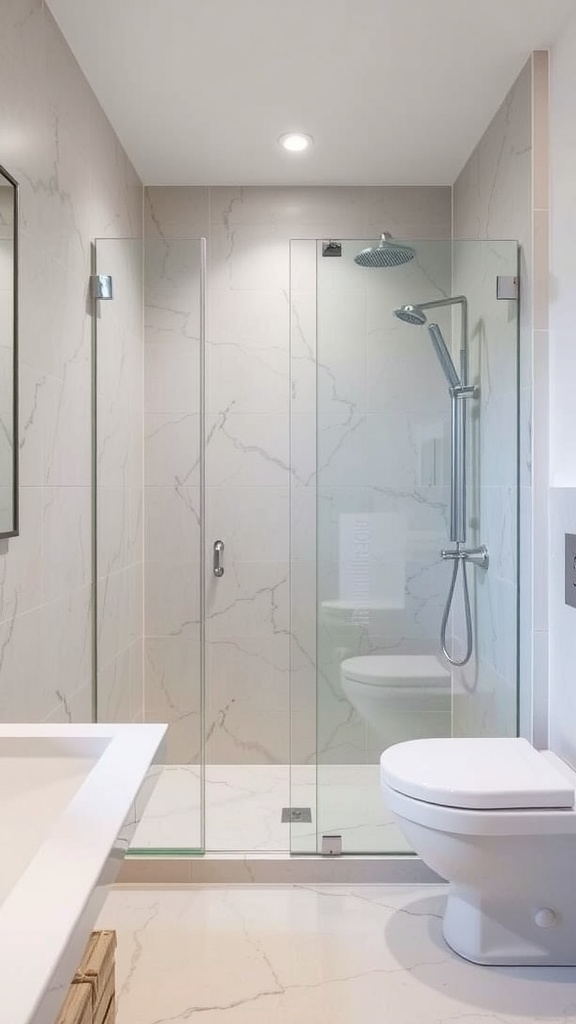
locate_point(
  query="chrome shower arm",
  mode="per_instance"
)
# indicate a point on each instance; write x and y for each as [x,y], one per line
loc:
[455,300]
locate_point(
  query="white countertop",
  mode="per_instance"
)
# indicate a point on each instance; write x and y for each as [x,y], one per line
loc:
[65,793]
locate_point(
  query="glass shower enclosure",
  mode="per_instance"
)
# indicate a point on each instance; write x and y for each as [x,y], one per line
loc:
[370,484]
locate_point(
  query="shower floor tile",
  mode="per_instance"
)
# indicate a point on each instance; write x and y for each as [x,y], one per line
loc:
[244,808]
[315,954]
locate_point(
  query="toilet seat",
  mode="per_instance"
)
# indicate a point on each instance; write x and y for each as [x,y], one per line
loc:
[479,774]
[412,669]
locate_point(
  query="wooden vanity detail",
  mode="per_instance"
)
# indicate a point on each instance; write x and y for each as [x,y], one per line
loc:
[91,997]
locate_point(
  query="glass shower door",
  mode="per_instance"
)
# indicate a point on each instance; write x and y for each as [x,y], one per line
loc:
[370,515]
[149,461]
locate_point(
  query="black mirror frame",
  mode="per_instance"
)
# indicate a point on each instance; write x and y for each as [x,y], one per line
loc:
[15,434]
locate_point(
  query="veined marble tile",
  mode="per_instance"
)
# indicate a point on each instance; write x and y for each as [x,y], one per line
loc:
[320,953]
[247,449]
[252,520]
[250,601]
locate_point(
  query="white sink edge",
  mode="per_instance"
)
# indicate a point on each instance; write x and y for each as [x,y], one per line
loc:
[50,903]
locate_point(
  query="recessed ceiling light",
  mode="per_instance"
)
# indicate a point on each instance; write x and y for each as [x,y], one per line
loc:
[295,142]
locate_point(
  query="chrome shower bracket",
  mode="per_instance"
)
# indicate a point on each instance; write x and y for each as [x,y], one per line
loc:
[101,286]
[465,391]
[475,556]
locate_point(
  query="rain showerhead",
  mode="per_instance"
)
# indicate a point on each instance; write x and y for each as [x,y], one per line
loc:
[411,315]
[387,253]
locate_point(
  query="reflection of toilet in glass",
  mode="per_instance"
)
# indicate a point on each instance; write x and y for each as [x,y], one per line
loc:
[348,624]
[400,696]
[365,606]
[497,819]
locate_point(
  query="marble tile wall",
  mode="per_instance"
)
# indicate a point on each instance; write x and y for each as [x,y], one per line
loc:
[562,622]
[76,184]
[502,192]
[562,481]
[6,360]
[251,457]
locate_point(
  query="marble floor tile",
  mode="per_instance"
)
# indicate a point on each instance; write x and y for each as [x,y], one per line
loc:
[243,806]
[311,955]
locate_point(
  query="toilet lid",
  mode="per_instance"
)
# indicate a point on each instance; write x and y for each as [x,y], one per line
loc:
[399,669]
[475,773]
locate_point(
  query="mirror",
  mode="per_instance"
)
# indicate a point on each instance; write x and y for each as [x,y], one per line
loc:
[8,354]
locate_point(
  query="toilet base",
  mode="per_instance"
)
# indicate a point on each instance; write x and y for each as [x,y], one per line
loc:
[493,930]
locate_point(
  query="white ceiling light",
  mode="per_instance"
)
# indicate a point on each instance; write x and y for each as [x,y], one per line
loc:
[295,142]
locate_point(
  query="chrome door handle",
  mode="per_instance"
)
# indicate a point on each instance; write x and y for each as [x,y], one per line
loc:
[218,562]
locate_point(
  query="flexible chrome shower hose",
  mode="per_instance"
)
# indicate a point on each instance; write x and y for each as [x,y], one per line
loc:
[467,614]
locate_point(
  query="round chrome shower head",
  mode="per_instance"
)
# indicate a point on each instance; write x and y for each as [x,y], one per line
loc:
[387,253]
[411,315]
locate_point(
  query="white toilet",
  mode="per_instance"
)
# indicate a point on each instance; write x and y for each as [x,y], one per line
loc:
[496,818]
[400,696]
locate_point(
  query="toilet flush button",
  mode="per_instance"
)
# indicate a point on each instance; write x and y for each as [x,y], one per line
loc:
[545,917]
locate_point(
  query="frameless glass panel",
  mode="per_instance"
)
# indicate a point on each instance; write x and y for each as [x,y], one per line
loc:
[149,514]
[485,691]
[371,462]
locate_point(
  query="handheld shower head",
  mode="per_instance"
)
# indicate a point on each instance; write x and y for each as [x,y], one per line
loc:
[387,253]
[444,357]
[411,315]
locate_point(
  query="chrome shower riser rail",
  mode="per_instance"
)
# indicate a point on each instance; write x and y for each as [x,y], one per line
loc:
[458,398]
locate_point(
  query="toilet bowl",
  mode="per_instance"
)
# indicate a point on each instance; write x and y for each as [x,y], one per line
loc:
[400,696]
[496,818]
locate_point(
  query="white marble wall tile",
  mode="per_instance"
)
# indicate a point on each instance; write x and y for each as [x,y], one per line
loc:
[21,574]
[113,632]
[66,646]
[248,449]
[176,212]
[172,524]
[22,691]
[136,675]
[235,737]
[113,685]
[172,382]
[249,601]
[173,693]
[252,673]
[171,446]
[563,619]
[76,707]
[172,599]
[258,530]
[66,540]
[247,379]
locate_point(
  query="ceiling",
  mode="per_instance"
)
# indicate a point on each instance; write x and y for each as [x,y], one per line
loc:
[393,91]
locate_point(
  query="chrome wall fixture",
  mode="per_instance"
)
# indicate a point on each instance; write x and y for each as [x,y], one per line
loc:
[218,558]
[101,286]
[460,393]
